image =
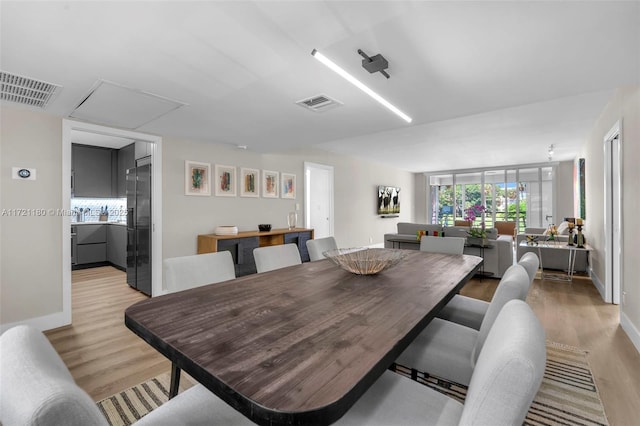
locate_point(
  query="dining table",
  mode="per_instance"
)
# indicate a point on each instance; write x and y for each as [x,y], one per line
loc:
[299,345]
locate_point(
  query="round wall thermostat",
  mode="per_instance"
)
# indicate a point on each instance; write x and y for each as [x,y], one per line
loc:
[24,173]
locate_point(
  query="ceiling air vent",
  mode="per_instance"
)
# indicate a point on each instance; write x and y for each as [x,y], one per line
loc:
[25,90]
[319,103]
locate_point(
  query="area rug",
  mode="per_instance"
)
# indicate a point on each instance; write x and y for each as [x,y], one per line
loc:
[567,395]
[124,408]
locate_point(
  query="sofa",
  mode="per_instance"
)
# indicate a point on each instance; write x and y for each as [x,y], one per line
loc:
[497,257]
[551,259]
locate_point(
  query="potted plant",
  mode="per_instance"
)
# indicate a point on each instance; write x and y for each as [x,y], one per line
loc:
[476,236]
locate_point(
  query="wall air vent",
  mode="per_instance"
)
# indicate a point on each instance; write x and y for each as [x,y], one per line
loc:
[319,103]
[25,90]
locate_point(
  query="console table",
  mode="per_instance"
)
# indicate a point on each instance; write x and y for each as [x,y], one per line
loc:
[242,244]
[558,246]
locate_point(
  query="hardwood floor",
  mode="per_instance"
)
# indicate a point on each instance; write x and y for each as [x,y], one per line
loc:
[574,314]
[105,357]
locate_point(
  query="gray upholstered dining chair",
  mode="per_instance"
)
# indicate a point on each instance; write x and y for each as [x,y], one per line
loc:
[470,311]
[318,246]
[451,350]
[276,257]
[505,381]
[448,245]
[38,389]
[182,273]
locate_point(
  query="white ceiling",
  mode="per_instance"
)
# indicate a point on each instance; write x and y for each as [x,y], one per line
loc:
[486,83]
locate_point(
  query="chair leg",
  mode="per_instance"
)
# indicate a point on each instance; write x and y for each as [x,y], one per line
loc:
[175,380]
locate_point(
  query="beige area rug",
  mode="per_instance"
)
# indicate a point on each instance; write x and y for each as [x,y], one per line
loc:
[567,396]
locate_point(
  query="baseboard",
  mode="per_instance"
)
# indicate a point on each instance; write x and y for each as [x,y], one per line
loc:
[598,284]
[378,245]
[47,322]
[631,330]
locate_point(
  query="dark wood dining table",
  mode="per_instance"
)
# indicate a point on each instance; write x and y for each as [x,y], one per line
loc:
[299,345]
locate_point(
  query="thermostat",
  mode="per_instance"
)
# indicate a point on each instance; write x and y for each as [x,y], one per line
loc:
[23,173]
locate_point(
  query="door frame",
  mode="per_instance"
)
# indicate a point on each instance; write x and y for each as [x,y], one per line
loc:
[308,166]
[156,203]
[613,238]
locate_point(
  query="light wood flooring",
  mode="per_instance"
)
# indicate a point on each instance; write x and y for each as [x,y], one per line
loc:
[105,357]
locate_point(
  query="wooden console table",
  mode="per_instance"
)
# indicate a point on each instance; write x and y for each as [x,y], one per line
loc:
[242,244]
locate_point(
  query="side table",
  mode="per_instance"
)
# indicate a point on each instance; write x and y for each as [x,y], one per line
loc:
[481,248]
[558,246]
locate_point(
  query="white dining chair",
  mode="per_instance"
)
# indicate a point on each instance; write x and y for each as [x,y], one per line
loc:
[38,389]
[504,383]
[470,311]
[317,247]
[182,273]
[450,350]
[448,245]
[531,263]
[276,257]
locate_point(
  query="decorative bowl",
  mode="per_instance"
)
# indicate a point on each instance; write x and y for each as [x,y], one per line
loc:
[365,261]
[264,227]
[226,230]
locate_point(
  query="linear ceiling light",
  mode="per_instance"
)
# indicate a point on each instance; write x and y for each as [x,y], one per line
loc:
[351,79]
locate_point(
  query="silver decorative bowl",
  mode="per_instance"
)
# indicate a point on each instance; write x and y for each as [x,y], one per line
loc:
[365,261]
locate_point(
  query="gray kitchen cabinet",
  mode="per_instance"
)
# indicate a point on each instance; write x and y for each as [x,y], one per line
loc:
[91,253]
[143,149]
[91,244]
[91,234]
[91,171]
[126,160]
[117,245]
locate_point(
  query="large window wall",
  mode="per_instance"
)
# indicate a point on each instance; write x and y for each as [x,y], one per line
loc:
[522,194]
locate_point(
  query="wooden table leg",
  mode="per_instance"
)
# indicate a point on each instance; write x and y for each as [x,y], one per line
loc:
[175,380]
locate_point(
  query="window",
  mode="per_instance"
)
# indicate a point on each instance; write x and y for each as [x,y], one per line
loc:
[519,194]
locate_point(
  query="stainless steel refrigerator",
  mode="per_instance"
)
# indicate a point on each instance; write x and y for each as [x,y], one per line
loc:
[139,226]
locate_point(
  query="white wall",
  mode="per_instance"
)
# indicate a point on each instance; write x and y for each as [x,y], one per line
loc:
[624,106]
[356,221]
[564,191]
[31,241]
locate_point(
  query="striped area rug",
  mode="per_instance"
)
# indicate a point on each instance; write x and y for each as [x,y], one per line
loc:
[124,408]
[567,395]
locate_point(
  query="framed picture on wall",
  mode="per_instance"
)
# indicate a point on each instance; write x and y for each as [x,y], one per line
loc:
[288,185]
[197,178]
[249,182]
[225,181]
[270,184]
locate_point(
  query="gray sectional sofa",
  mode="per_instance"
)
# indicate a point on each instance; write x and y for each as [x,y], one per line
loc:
[497,257]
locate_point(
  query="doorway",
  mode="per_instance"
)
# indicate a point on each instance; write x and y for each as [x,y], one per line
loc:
[69,126]
[318,199]
[613,214]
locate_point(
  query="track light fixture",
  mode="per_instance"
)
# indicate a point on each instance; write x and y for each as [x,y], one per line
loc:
[351,79]
[550,152]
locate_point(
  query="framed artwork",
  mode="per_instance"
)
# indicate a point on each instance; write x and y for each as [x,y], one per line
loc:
[270,184]
[197,178]
[249,182]
[288,185]
[582,211]
[225,181]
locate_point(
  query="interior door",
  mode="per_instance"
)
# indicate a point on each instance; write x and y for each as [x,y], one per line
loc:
[319,199]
